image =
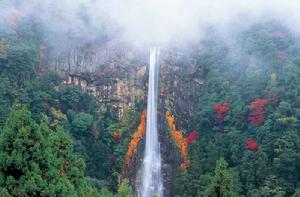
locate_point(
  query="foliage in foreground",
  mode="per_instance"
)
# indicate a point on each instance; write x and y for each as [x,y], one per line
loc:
[223,184]
[38,161]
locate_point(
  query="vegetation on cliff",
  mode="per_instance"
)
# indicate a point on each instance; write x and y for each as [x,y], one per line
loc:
[243,138]
[257,132]
[54,141]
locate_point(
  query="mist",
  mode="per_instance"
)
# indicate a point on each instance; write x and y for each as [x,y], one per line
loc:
[147,22]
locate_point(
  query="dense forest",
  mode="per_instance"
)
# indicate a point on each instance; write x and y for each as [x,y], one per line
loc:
[50,140]
[247,118]
[243,137]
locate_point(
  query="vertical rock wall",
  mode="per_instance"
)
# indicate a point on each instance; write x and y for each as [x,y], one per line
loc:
[114,75]
[117,76]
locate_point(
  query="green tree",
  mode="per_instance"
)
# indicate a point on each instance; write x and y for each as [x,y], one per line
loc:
[20,57]
[69,96]
[37,161]
[297,193]
[223,184]
[82,124]
[105,193]
[124,190]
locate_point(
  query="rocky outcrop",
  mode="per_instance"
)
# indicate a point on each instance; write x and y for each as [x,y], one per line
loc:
[180,84]
[118,76]
[112,74]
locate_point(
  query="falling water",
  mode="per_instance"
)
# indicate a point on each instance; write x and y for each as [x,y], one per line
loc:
[151,174]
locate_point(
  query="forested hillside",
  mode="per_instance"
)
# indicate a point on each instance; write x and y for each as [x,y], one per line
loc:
[241,139]
[54,141]
[247,118]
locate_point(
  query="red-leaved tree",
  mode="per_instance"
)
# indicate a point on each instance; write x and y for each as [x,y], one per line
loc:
[257,114]
[251,144]
[282,56]
[116,136]
[221,109]
[191,138]
[273,99]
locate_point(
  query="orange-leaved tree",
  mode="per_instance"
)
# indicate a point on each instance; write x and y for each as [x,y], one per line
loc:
[137,136]
[179,140]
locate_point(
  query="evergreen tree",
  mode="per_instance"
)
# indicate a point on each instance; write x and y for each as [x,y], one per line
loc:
[297,193]
[37,161]
[124,190]
[223,184]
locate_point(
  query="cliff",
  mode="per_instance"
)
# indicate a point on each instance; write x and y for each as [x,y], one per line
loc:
[117,76]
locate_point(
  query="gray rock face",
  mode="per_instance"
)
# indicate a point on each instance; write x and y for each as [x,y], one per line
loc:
[115,75]
[177,97]
[118,76]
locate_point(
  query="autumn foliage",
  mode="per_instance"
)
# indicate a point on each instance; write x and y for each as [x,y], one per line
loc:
[171,121]
[257,114]
[221,109]
[182,145]
[114,158]
[180,141]
[282,56]
[192,137]
[136,138]
[251,144]
[14,19]
[273,99]
[116,136]
[279,34]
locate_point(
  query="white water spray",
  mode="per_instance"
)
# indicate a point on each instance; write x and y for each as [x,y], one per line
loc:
[151,174]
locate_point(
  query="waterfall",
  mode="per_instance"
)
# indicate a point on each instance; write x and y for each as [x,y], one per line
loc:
[151,167]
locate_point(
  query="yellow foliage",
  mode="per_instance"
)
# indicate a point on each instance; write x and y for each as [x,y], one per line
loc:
[136,138]
[58,114]
[182,145]
[58,117]
[171,121]
[179,140]
[287,120]
[273,78]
